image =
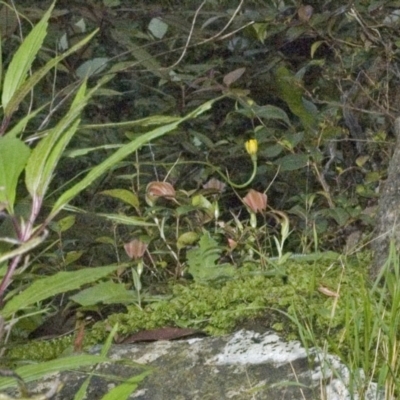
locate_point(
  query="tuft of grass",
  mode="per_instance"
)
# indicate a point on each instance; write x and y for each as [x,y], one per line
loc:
[367,342]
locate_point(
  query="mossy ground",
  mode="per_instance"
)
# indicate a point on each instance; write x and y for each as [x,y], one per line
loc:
[252,297]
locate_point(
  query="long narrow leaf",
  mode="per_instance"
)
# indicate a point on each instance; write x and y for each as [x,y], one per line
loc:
[23,58]
[123,391]
[19,127]
[22,249]
[123,152]
[34,372]
[31,82]
[61,282]
[45,156]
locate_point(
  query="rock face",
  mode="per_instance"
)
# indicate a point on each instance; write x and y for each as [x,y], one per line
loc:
[388,218]
[243,366]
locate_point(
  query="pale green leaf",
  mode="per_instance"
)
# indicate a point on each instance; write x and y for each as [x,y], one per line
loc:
[186,239]
[158,28]
[126,196]
[23,58]
[126,219]
[106,293]
[60,282]
[13,156]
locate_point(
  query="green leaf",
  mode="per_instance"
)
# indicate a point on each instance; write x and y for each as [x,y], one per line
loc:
[291,91]
[30,83]
[45,156]
[124,390]
[292,162]
[22,248]
[23,58]
[123,152]
[143,122]
[61,282]
[1,63]
[106,293]
[63,224]
[126,196]
[271,112]
[34,372]
[21,124]
[91,67]
[186,239]
[126,219]
[202,261]
[142,56]
[13,157]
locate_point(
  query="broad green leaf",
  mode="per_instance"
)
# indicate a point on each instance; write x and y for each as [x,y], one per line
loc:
[106,293]
[272,112]
[13,156]
[126,196]
[91,67]
[292,162]
[30,83]
[33,372]
[61,282]
[291,91]
[121,153]
[124,390]
[265,112]
[23,58]
[202,261]
[272,151]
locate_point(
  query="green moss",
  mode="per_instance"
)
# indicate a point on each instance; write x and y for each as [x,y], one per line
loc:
[218,309]
[39,350]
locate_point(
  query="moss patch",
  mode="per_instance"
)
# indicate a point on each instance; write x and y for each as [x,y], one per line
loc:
[249,299]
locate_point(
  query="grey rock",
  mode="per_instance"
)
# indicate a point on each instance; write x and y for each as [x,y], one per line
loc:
[245,365]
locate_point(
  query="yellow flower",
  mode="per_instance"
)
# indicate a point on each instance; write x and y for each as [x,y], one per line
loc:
[251,146]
